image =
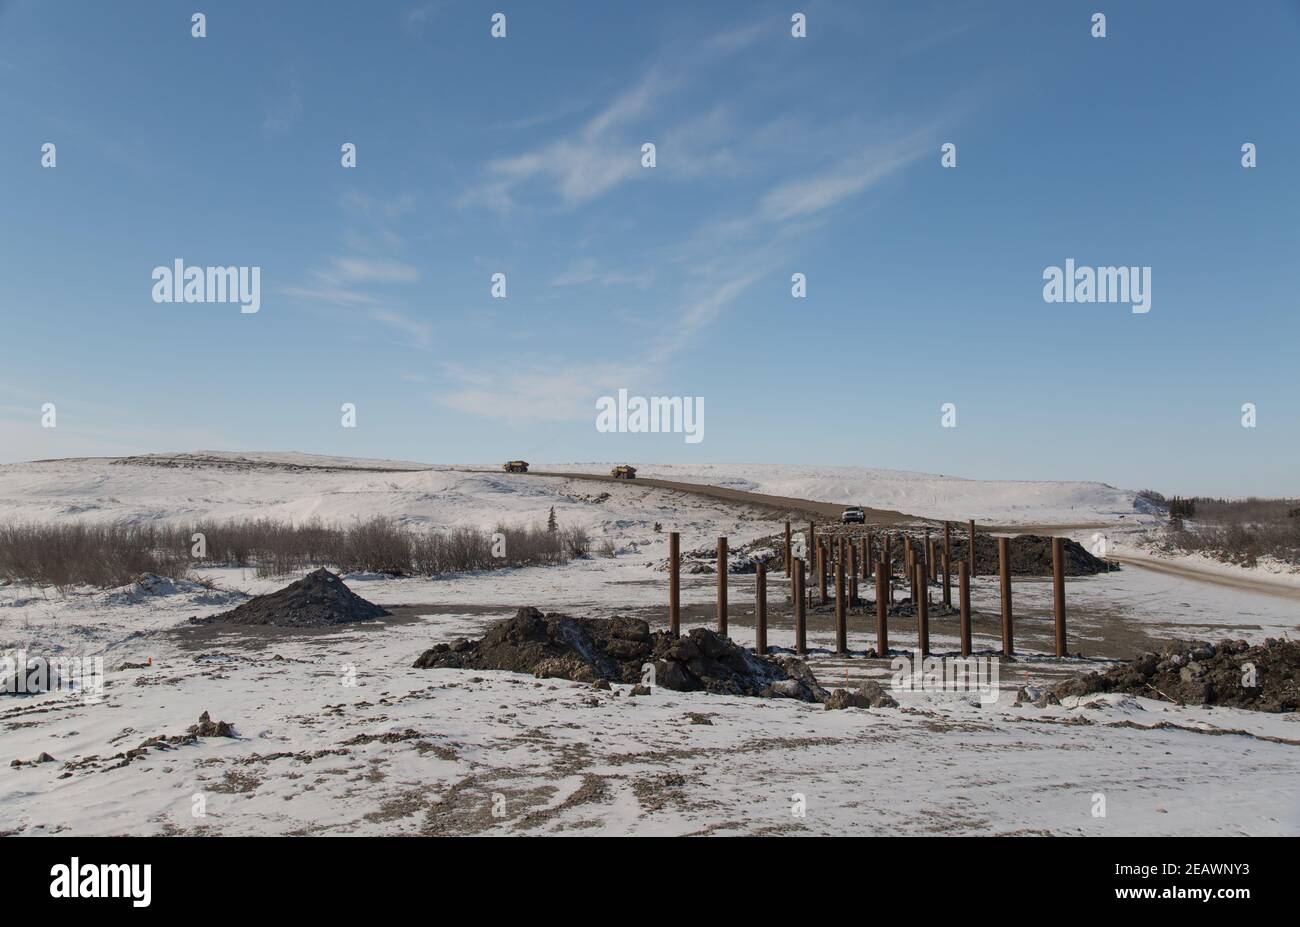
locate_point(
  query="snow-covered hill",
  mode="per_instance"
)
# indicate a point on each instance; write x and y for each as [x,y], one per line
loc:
[927,495]
[297,487]
[293,487]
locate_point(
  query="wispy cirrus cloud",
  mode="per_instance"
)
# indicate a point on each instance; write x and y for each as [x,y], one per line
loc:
[419,331]
[716,262]
[373,270]
[552,391]
[590,271]
[357,280]
[802,197]
[577,169]
[603,153]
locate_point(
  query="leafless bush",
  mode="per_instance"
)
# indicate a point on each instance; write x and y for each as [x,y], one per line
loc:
[1240,531]
[74,554]
[576,541]
[110,555]
[606,548]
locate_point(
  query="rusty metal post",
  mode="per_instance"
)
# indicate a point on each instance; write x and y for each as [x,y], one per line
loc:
[760,609]
[1058,592]
[947,540]
[867,554]
[674,584]
[931,564]
[851,570]
[971,526]
[947,581]
[821,575]
[922,614]
[963,592]
[1004,574]
[800,617]
[841,612]
[722,586]
[787,549]
[888,561]
[882,609]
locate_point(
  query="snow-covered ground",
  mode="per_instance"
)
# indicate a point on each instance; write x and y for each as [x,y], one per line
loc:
[436,751]
[925,495]
[1266,569]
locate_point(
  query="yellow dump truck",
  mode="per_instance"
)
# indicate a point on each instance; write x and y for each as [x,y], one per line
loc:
[515,466]
[623,473]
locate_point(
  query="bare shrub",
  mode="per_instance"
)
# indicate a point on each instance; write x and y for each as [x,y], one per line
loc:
[67,555]
[576,541]
[75,554]
[1240,531]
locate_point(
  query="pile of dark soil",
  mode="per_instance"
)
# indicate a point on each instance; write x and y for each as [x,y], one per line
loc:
[1234,674]
[614,649]
[318,600]
[1031,554]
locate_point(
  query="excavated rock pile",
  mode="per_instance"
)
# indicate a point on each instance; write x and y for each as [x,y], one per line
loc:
[1265,677]
[615,649]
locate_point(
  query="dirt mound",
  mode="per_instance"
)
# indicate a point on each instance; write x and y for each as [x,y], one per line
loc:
[318,600]
[615,649]
[1031,554]
[1265,677]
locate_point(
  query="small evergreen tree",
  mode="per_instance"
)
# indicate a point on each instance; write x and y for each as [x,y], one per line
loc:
[551,523]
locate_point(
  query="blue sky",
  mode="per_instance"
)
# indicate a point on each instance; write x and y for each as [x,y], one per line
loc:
[775,155]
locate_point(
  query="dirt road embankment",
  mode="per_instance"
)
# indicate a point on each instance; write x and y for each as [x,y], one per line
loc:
[796,509]
[1183,571]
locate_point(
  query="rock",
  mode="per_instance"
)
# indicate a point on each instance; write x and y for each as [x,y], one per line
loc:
[639,689]
[627,650]
[870,695]
[877,695]
[209,728]
[46,758]
[844,698]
